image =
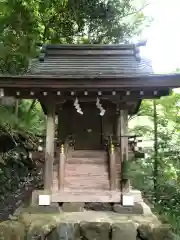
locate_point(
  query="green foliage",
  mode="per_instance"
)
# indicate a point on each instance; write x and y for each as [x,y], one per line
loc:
[23,124]
[168,159]
[32,119]
[24,24]
[16,170]
[18,136]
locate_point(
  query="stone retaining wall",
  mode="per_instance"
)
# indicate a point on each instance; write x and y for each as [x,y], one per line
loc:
[87,225]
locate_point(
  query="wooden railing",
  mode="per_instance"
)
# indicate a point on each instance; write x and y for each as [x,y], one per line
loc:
[62,160]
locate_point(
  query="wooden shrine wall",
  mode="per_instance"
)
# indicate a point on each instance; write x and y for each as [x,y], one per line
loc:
[88,129]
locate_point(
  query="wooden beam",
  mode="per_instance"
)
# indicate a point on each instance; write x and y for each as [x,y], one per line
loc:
[82,196]
[90,81]
[71,195]
[106,94]
[49,152]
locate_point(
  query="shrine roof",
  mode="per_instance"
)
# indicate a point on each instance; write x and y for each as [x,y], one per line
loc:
[120,60]
[114,66]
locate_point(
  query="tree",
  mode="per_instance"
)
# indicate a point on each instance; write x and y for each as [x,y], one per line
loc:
[161,165]
[27,23]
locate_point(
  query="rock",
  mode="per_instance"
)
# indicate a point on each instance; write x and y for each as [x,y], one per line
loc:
[136,209]
[66,231]
[145,231]
[95,230]
[98,206]
[162,232]
[90,225]
[73,207]
[52,209]
[124,231]
[146,209]
[18,211]
[40,228]
[145,219]
[149,232]
[38,225]
[12,217]
[12,230]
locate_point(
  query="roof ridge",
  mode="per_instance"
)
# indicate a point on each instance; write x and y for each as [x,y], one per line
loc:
[89,46]
[60,49]
[123,49]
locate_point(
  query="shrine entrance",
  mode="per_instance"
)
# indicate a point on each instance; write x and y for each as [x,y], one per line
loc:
[87,128]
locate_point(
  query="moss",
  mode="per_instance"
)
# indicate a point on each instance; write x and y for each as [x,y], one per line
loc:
[12,230]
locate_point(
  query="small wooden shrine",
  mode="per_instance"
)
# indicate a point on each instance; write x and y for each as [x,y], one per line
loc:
[91,89]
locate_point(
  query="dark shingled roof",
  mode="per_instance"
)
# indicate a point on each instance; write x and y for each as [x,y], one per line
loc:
[96,60]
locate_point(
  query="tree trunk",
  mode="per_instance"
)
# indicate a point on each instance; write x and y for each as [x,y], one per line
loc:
[30,109]
[32,106]
[16,107]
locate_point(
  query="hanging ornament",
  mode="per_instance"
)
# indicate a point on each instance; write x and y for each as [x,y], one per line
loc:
[99,106]
[77,106]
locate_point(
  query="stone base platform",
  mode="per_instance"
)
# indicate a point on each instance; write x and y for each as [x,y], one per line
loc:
[42,197]
[89,225]
[138,207]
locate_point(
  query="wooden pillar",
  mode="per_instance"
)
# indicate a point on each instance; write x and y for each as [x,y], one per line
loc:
[59,128]
[112,168]
[62,159]
[123,125]
[118,150]
[118,125]
[49,153]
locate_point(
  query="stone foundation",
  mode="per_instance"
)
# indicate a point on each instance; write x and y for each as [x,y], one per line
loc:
[72,207]
[89,225]
[34,201]
[133,193]
[139,206]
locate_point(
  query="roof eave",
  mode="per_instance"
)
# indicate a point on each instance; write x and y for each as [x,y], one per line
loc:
[144,81]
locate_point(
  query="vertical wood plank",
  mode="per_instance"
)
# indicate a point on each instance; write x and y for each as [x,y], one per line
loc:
[124,148]
[49,152]
[61,168]
[118,151]
[118,126]
[112,169]
[59,127]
